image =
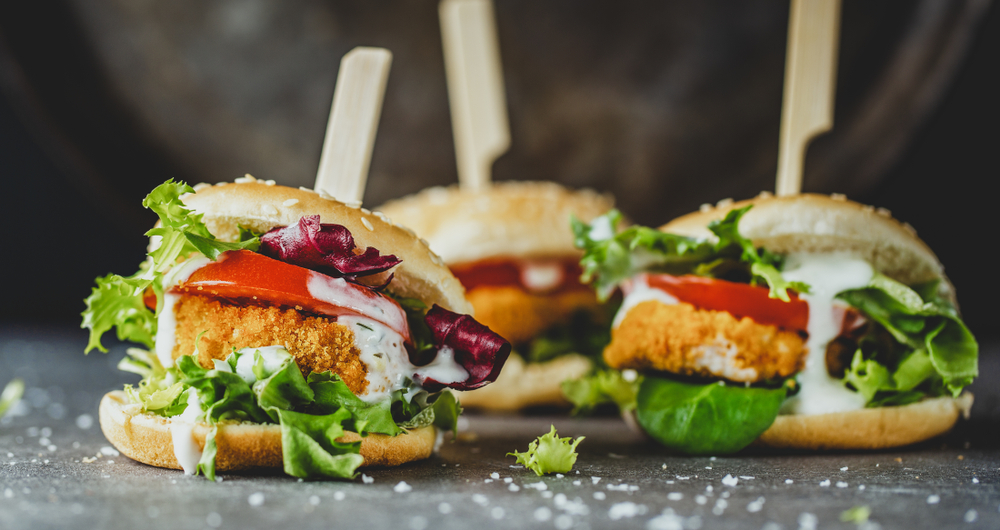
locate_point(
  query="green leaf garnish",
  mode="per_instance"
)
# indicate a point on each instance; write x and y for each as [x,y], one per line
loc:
[712,418]
[549,454]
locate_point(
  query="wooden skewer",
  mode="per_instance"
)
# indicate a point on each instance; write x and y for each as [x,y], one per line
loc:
[475,88]
[810,80]
[350,133]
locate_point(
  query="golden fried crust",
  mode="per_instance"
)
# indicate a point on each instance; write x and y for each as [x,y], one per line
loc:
[519,316]
[683,339]
[317,343]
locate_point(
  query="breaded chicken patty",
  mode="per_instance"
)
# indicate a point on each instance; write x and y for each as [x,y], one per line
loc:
[519,316]
[683,339]
[317,343]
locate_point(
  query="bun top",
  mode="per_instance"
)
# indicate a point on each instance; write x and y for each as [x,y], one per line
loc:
[820,223]
[262,206]
[509,219]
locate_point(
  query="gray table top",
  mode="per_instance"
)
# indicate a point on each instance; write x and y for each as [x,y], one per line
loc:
[58,471]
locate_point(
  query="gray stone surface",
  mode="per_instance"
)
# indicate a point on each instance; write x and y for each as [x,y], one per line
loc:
[58,471]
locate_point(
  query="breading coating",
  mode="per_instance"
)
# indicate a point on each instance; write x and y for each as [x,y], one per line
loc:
[317,343]
[683,339]
[519,316]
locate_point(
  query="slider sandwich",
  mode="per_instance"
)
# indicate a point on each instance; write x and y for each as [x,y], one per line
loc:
[284,328]
[805,322]
[511,248]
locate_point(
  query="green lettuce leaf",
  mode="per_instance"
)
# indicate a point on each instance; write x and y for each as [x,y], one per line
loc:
[602,386]
[117,301]
[549,454]
[446,411]
[206,464]
[705,419]
[114,303]
[924,323]
[310,448]
[610,258]
[331,394]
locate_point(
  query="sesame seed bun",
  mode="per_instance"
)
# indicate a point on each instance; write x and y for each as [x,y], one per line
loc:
[508,219]
[261,206]
[874,428]
[522,385]
[147,439]
[821,223]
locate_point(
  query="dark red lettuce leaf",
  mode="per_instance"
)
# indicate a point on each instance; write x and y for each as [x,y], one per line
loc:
[480,351]
[326,248]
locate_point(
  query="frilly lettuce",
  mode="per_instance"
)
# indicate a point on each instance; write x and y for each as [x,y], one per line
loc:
[549,454]
[603,386]
[611,257]
[117,301]
[935,352]
[312,411]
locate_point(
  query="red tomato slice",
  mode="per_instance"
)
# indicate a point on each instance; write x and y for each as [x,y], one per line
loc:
[510,273]
[244,276]
[740,299]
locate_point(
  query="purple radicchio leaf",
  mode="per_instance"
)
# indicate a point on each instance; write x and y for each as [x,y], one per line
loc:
[325,248]
[478,350]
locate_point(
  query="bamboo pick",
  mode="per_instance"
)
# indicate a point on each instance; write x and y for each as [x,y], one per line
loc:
[354,116]
[810,79]
[475,88]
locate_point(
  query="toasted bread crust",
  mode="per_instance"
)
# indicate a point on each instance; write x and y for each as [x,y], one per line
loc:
[519,316]
[146,438]
[253,204]
[523,384]
[874,428]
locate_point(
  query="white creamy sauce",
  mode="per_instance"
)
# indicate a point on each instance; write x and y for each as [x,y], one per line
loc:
[443,368]
[336,292]
[827,275]
[166,322]
[181,433]
[639,291]
[541,276]
[384,354]
[601,229]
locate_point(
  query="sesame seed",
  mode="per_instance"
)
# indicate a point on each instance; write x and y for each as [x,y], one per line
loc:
[402,487]
[883,212]
[825,483]
[269,209]
[290,202]
[269,183]
[366,211]
[838,196]
[444,508]
[971,516]
[353,204]
[201,185]
[705,208]
[724,203]
[368,224]
[310,190]
[324,195]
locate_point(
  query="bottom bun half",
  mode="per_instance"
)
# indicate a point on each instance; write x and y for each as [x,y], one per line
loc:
[521,385]
[146,438]
[874,428]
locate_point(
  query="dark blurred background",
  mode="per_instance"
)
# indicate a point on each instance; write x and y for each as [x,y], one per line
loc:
[666,104]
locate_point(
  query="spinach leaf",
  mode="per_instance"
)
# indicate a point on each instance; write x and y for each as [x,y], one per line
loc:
[921,321]
[705,419]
